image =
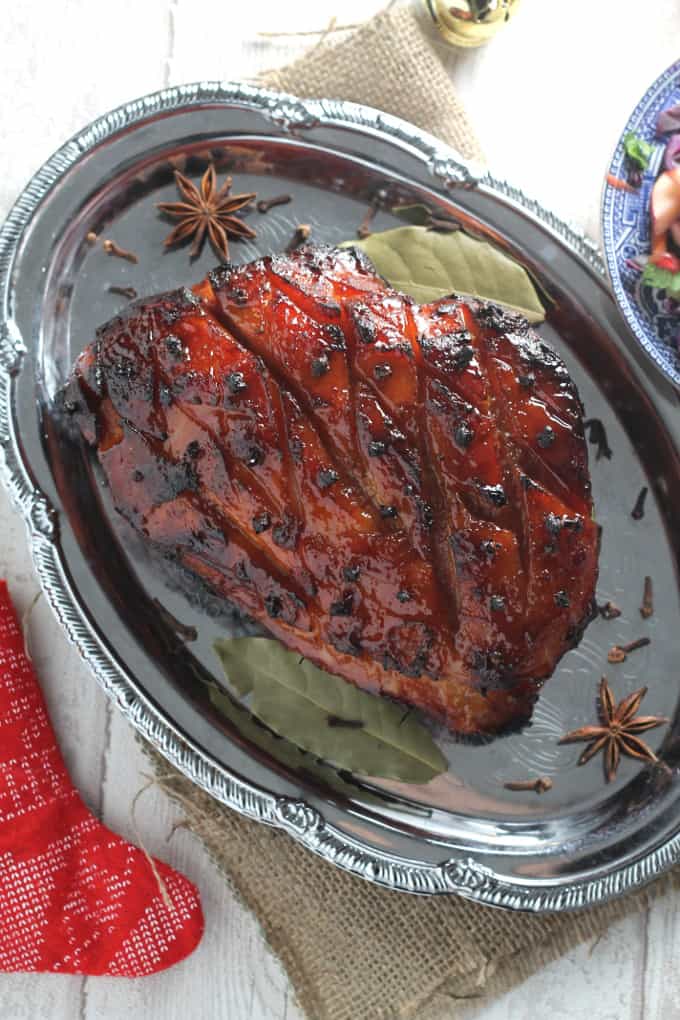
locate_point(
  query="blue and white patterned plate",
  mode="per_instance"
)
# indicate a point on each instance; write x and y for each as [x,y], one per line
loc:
[654,319]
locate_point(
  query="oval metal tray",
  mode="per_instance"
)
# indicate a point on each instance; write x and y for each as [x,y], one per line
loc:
[580,843]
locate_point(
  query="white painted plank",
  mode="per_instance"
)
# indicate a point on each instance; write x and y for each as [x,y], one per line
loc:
[35,997]
[62,64]
[660,990]
[233,49]
[600,980]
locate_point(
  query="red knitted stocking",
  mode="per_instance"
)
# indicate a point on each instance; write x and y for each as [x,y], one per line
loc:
[74,897]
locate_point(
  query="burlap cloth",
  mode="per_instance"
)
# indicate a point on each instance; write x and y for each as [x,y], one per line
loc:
[354,951]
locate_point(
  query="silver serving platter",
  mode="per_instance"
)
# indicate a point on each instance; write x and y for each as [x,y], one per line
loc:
[582,842]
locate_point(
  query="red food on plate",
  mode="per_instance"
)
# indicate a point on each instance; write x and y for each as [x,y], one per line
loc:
[400,493]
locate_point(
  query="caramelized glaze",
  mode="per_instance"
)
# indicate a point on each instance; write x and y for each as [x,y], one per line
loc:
[399,493]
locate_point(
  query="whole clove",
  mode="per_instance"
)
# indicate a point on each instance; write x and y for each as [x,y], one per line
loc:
[609,611]
[619,653]
[111,248]
[127,292]
[540,785]
[364,228]
[597,436]
[183,631]
[301,234]
[647,607]
[378,202]
[638,511]
[265,204]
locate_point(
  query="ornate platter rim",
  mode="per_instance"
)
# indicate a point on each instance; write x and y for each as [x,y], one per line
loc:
[462,874]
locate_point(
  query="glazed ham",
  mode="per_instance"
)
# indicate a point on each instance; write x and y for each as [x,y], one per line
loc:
[400,493]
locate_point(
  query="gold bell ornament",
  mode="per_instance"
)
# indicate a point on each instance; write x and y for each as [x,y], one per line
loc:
[470,22]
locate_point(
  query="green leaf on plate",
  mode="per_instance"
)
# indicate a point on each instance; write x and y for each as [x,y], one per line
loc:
[637,150]
[282,750]
[429,265]
[661,279]
[326,716]
[237,661]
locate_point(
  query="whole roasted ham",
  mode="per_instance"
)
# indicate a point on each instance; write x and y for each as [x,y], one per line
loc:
[400,493]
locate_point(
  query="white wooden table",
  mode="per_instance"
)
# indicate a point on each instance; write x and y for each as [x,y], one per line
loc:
[547,98]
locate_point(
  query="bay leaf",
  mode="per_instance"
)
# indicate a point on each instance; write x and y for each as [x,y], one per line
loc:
[286,753]
[429,265]
[308,707]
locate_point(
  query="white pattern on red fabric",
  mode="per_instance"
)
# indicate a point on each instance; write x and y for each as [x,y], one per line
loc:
[74,897]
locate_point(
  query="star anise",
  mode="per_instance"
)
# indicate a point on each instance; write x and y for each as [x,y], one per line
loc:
[206,211]
[618,730]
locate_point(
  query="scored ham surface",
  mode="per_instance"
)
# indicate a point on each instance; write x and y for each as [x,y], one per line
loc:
[400,493]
